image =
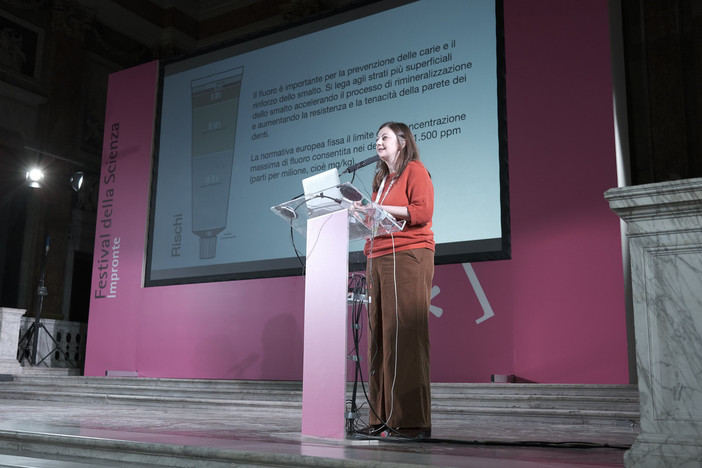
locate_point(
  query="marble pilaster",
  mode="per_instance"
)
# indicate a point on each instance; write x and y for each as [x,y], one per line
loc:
[9,339]
[664,228]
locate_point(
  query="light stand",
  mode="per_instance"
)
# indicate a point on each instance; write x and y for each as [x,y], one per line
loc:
[30,338]
[29,341]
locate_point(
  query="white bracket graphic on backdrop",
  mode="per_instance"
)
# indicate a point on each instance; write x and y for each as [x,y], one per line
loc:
[437,311]
[487,309]
[484,303]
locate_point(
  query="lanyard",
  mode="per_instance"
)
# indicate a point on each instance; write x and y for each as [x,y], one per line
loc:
[380,190]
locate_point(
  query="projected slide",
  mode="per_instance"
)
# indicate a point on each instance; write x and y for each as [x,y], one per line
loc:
[241,127]
[215,104]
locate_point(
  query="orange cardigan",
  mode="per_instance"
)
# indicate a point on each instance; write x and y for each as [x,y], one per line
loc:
[414,190]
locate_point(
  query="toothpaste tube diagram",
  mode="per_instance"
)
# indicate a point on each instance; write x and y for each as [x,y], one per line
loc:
[215,104]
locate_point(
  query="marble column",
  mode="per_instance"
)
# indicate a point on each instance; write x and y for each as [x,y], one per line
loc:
[664,228]
[9,339]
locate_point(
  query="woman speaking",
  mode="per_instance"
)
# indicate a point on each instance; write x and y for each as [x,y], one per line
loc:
[399,274]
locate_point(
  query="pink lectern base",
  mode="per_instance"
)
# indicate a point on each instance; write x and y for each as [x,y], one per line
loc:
[326,286]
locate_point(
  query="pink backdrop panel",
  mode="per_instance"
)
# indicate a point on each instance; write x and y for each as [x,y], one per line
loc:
[250,329]
[243,329]
[568,294]
[122,212]
[464,348]
[553,313]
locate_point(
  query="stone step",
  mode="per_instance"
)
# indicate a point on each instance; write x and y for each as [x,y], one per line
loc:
[566,416]
[538,389]
[195,393]
[562,404]
[142,382]
[446,389]
[571,417]
[161,401]
[69,451]
[466,412]
[49,371]
[630,403]
[489,396]
[19,459]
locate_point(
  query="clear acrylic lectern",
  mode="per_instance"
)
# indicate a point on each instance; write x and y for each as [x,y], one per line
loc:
[369,221]
[329,220]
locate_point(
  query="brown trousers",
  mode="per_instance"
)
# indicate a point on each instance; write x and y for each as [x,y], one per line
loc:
[398,356]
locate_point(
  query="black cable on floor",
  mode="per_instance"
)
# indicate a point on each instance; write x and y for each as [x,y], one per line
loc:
[527,443]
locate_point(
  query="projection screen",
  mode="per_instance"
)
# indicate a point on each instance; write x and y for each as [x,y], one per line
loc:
[241,126]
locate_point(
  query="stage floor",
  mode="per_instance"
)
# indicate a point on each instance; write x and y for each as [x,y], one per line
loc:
[271,437]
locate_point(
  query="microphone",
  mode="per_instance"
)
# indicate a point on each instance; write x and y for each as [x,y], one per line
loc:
[335,200]
[364,163]
[350,193]
[286,211]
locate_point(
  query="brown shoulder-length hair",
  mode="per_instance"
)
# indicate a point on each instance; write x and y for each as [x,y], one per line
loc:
[408,152]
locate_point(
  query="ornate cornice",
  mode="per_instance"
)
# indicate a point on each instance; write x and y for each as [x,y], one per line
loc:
[33,5]
[70,18]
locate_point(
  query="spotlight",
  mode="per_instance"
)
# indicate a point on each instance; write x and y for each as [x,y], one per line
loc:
[77,180]
[34,177]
